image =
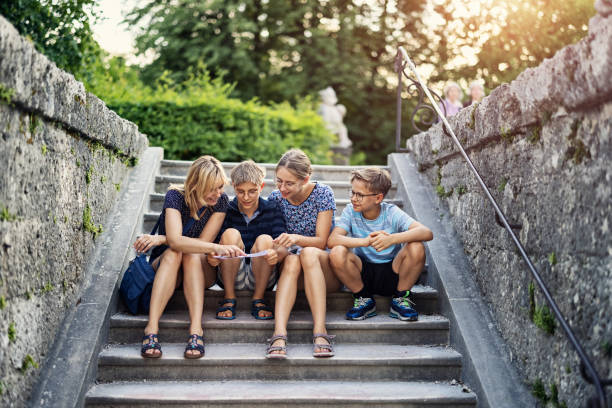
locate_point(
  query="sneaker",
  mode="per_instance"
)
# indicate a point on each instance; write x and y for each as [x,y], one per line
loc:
[362,309]
[401,308]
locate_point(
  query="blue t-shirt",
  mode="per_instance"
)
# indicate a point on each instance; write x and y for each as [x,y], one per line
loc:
[302,219]
[391,219]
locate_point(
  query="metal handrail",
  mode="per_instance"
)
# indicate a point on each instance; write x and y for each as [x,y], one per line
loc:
[586,367]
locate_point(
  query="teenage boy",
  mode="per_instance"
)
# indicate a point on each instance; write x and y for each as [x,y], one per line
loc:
[251,223]
[388,252]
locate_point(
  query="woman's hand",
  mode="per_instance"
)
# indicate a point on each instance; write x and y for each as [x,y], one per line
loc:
[286,240]
[228,250]
[145,242]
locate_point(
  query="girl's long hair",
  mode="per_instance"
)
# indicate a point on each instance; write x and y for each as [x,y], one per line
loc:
[205,175]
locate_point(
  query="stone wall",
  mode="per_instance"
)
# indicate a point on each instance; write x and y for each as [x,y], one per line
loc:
[543,145]
[63,156]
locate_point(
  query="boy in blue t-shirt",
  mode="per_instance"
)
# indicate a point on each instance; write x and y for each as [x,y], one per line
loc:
[251,223]
[388,252]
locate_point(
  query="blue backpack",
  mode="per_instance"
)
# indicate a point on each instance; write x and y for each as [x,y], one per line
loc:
[137,282]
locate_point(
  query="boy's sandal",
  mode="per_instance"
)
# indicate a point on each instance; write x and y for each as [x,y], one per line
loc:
[193,345]
[270,353]
[152,344]
[327,349]
[222,308]
[257,306]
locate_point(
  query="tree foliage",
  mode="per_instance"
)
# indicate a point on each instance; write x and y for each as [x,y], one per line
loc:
[507,36]
[60,29]
[280,50]
[197,116]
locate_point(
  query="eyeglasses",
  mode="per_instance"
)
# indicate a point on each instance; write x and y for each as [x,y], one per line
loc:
[359,196]
[288,184]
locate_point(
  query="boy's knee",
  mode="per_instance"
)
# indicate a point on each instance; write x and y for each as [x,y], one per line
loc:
[338,255]
[231,236]
[415,252]
[262,242]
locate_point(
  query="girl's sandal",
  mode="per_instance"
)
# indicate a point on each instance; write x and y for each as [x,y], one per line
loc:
[270,353]
[328,349]
[152,343]
[193,345]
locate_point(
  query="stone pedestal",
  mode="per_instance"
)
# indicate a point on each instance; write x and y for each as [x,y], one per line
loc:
[341,155]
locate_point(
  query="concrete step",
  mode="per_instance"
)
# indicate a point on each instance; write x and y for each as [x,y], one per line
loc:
[156,202]
[352,362]
[341,188]
[425,297]
[280,394]
[319,172]
[382,329]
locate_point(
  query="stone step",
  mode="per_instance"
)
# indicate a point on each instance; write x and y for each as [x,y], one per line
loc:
[319,171]
[341,188]
[174,325]
[425,297]
[352,362]
[280,394]
[156,203]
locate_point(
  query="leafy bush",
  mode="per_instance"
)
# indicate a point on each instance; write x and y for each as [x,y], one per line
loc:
[197,117]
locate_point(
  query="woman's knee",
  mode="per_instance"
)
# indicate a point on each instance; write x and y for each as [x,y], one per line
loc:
[231,236]
[262,242]
[309,256]
[291,266]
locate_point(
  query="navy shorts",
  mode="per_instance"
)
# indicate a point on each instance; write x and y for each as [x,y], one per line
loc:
[379,278]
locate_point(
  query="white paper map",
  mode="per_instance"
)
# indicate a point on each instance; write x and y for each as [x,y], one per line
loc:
[255,255]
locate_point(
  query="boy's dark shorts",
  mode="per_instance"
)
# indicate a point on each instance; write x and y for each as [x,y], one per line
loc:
[379,278]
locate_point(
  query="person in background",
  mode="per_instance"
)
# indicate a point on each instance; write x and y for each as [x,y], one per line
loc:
[452,99]
[476,93]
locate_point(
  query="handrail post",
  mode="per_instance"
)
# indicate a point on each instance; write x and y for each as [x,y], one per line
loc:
[398,118]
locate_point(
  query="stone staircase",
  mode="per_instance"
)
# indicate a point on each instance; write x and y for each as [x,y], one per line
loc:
[379,362]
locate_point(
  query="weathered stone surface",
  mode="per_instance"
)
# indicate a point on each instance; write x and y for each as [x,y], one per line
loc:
[543,147]
[62,152]
[41,87]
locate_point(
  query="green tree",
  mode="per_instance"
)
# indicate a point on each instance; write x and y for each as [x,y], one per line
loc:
[279,50]
[60,29]
[507,36]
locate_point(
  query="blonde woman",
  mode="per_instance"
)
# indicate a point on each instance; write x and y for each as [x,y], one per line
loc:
[180,255]
[308,208]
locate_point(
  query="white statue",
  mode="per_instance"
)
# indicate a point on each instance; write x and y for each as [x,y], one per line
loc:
[332,114]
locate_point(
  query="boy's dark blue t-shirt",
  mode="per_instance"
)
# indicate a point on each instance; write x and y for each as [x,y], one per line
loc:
[269,220]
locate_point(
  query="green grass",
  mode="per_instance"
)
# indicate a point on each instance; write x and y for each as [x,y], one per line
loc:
[88,225]
[6,94]
[12,332]
[28,361]
[552,259]
[544,319]
[5,215]
[502,185]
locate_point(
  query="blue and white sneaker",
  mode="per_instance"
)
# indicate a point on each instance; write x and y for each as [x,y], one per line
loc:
[362,309]
[401,308]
